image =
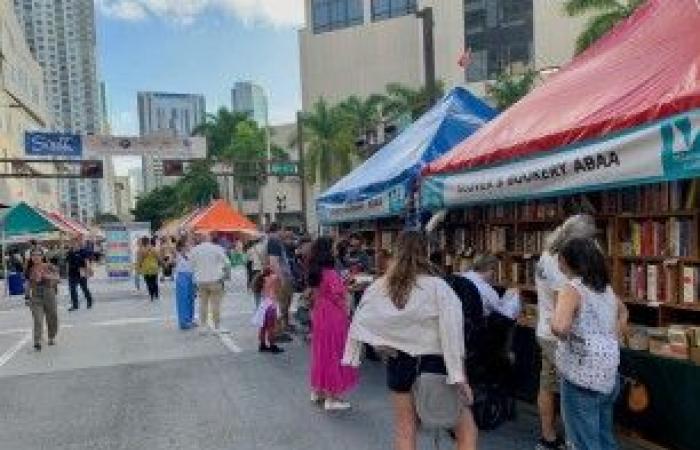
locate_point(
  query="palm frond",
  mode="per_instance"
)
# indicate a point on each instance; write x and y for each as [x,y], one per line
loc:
[578,7]
[598,27]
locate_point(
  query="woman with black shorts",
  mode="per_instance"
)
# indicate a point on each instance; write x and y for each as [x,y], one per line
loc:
[415,318]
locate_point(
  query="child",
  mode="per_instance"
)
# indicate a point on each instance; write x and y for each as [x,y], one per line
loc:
[265,318]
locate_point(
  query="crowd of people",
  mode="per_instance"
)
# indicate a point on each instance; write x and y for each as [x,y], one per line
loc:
[442,335]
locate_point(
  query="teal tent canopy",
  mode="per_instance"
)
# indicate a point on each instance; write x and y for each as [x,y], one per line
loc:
[21,219]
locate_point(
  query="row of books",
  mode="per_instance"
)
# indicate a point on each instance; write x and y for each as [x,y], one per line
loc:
[523,272]
[531,241]
[673,237]
[660,197]
[657,283]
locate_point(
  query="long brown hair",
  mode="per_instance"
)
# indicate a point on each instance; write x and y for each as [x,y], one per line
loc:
[410,260]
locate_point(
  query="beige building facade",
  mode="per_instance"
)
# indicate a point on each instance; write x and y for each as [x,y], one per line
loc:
[123,200]
[22,109]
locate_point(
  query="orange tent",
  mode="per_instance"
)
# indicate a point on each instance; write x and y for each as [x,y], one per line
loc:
[222,217]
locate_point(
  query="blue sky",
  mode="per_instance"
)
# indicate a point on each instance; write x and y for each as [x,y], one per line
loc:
[200,47]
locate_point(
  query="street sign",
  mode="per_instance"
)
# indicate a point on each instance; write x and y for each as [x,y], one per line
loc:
[53,144]
[284,168]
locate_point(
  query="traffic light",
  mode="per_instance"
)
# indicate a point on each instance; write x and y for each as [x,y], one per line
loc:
[173,168]
[91,169]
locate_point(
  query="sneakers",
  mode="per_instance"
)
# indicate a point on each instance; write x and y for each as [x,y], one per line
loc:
[316,398]
[558,444]
[336,405]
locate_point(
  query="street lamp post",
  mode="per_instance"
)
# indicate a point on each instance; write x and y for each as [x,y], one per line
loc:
[426,15]
[281,198]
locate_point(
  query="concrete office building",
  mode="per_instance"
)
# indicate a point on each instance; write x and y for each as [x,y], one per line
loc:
[357,47]
[123,199]
[250,99]
[61,35]
[169,114]
[22,109]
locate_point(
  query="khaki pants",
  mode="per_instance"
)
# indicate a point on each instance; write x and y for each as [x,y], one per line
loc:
[210,294]
[44,306]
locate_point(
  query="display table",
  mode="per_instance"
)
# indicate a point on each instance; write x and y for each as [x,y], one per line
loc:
[673,416]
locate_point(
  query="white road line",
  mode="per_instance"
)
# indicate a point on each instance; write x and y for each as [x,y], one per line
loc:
[127,321]
[229,344]
[14,349]
[28,330]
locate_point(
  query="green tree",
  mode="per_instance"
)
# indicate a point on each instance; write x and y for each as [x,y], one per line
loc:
[330,140]
[509,88]
[197,187]
[401,100]
[219,130]
[606,14]
[363,114]
[157,206]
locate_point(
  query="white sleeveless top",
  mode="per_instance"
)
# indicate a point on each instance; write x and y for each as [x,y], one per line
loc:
[590,356]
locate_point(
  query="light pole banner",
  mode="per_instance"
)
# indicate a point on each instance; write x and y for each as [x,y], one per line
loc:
[662,151]
[391,202]
[120,247]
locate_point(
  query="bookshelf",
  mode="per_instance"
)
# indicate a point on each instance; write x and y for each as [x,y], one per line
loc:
[650,234]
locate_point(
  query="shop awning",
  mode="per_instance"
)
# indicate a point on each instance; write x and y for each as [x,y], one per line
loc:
[219,216]
[379,187]
[646,69]
[22,220]
[627,111]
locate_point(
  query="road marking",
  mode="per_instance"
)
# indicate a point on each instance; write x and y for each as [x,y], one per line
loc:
[128,321]
[14,349]
[28,330]
[229,344]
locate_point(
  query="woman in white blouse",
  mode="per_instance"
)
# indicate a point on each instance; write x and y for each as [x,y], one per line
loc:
[410,313]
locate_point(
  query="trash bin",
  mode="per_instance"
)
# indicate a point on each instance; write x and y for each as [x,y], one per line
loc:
[15,282]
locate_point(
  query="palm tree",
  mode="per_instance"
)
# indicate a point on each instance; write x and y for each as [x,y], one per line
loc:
[401,100]
[331,143]
[219,129]
[364,115]
[508,88]
[609,14]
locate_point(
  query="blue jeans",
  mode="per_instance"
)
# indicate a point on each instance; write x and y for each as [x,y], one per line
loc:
[588,417]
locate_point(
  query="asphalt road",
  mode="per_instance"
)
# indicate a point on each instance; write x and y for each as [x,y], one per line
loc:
[123,377]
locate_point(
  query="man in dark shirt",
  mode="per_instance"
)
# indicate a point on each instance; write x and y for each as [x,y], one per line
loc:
[78,262]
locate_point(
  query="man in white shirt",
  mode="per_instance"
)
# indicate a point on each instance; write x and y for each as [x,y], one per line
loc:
[209,263]
[549,280]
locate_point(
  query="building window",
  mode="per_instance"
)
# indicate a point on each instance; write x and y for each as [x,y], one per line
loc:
[500,36]
[329,15]
[386,9]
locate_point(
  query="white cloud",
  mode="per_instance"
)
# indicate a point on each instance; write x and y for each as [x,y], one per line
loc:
[129,10]
[279,13]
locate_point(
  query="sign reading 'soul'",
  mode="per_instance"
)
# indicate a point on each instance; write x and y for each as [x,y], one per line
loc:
[53,144]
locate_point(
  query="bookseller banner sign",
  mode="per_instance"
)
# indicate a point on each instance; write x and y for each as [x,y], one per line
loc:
[391,202]
[665,150]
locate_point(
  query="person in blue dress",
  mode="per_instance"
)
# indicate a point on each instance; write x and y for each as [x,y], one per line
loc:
[184,285]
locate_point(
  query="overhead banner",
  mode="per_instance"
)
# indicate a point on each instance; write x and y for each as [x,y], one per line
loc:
[391,202]
[190,147]
[664,150]
[53,144]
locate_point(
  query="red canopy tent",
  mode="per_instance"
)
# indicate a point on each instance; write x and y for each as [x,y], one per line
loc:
[646,69]
[221,217]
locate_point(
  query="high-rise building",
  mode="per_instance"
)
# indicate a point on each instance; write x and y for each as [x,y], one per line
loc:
[22,109]
[250,99]
[384,39]
[123,199]
[62,36]
[104,109]
[166,114]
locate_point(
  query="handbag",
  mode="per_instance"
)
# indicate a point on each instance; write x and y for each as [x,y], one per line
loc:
[437,403]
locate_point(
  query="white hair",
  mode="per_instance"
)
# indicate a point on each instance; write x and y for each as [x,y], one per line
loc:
[578,226]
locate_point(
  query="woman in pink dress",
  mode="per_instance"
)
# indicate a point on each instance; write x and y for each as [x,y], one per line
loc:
[330,321]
